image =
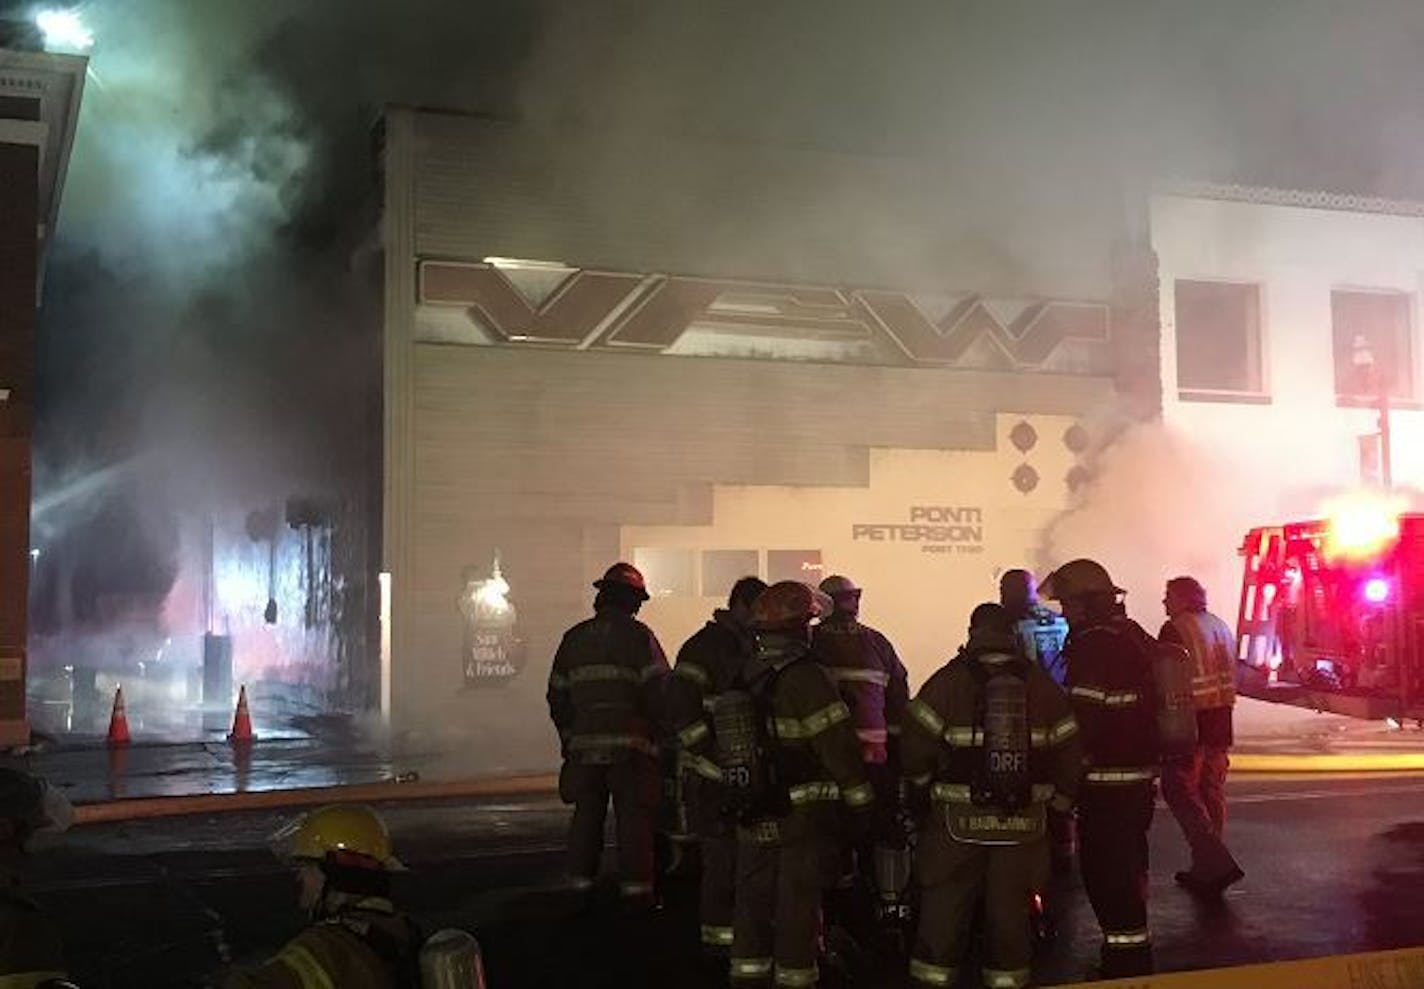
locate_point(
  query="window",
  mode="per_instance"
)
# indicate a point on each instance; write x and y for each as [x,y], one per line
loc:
[19,108]
[1373,349]
[668,572]
[794,564]
[721,568]
[1218,339]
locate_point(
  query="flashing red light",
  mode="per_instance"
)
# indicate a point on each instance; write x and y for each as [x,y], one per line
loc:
[1377,590]
[1362,525]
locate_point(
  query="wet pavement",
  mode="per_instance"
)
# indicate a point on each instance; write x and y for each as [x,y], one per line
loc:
[298,753]
[1335,864]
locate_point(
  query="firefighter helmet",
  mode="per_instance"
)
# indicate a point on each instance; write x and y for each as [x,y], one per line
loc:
[789,604]
[625,575]
[351,834]
[1077,578]
[836,585]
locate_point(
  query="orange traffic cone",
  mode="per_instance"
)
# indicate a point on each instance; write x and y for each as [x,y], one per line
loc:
[119,721]
[241,733]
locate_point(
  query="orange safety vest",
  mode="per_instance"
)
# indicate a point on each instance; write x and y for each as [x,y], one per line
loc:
[1213,649]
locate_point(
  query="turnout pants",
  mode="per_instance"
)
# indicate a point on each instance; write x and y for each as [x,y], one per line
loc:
[1113,819]
[634,784]
[719,878]
[777,920]
[1194,788]
[955,878]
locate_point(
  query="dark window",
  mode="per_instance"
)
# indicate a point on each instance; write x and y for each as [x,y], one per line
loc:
[794,564]
[1373,345]
[1218,338]
[19,108]
[721,568]
[668,572]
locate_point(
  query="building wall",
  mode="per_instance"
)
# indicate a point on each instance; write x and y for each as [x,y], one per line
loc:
[1286,451]
[1295,432]
[927,535]
[19,196]
[686,372]
[563,463]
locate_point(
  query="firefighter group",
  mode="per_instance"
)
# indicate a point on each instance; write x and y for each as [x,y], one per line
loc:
[819,791]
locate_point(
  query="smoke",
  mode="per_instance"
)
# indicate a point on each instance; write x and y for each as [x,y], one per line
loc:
[211,304]
[1160,504]
[1157,506]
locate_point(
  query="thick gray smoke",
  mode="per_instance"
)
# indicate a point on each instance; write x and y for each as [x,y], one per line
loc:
[209,329]
[1158,506]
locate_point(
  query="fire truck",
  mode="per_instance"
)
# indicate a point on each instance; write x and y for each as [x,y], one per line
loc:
[1332,612]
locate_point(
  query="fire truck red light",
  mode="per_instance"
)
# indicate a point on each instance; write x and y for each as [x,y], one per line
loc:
[1376,590]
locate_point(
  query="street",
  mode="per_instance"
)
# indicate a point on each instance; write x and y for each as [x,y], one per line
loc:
[1335,864]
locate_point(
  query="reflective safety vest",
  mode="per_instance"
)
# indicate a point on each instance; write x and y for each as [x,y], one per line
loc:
[1213,649]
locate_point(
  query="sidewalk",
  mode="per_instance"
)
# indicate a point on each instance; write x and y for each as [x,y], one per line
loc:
[1280,738]
[291,758]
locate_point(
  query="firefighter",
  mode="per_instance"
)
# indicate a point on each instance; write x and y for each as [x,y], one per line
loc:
[30,949]
[357,939]
[788,849]
[1041,632]
[875,687]
[1194,786]
[871,679]
[990,743]
[1111,688]
[604,701]
[707,664]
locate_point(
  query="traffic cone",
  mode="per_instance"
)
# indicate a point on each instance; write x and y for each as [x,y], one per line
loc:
[119,721]
[241,733]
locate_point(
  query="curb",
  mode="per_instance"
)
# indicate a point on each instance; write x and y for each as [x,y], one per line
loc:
[1327,762]
[210,803]
[1399,969]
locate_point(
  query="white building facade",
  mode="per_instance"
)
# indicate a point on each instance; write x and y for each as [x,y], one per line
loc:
[710,360]
[1284,315]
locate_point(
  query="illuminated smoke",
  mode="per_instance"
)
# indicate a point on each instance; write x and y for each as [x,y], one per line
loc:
[214,292]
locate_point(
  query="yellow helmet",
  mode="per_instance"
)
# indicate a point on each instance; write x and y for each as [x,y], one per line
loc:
[1077,578]
[352,833]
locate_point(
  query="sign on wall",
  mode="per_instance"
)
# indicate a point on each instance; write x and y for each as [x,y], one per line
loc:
[493,651]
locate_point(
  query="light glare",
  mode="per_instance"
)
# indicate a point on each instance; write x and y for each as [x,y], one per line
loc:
[1376,590]
[64,30]
[1362,525]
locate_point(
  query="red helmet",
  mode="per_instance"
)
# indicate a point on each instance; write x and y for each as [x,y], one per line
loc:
[789,604]
[625,574]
